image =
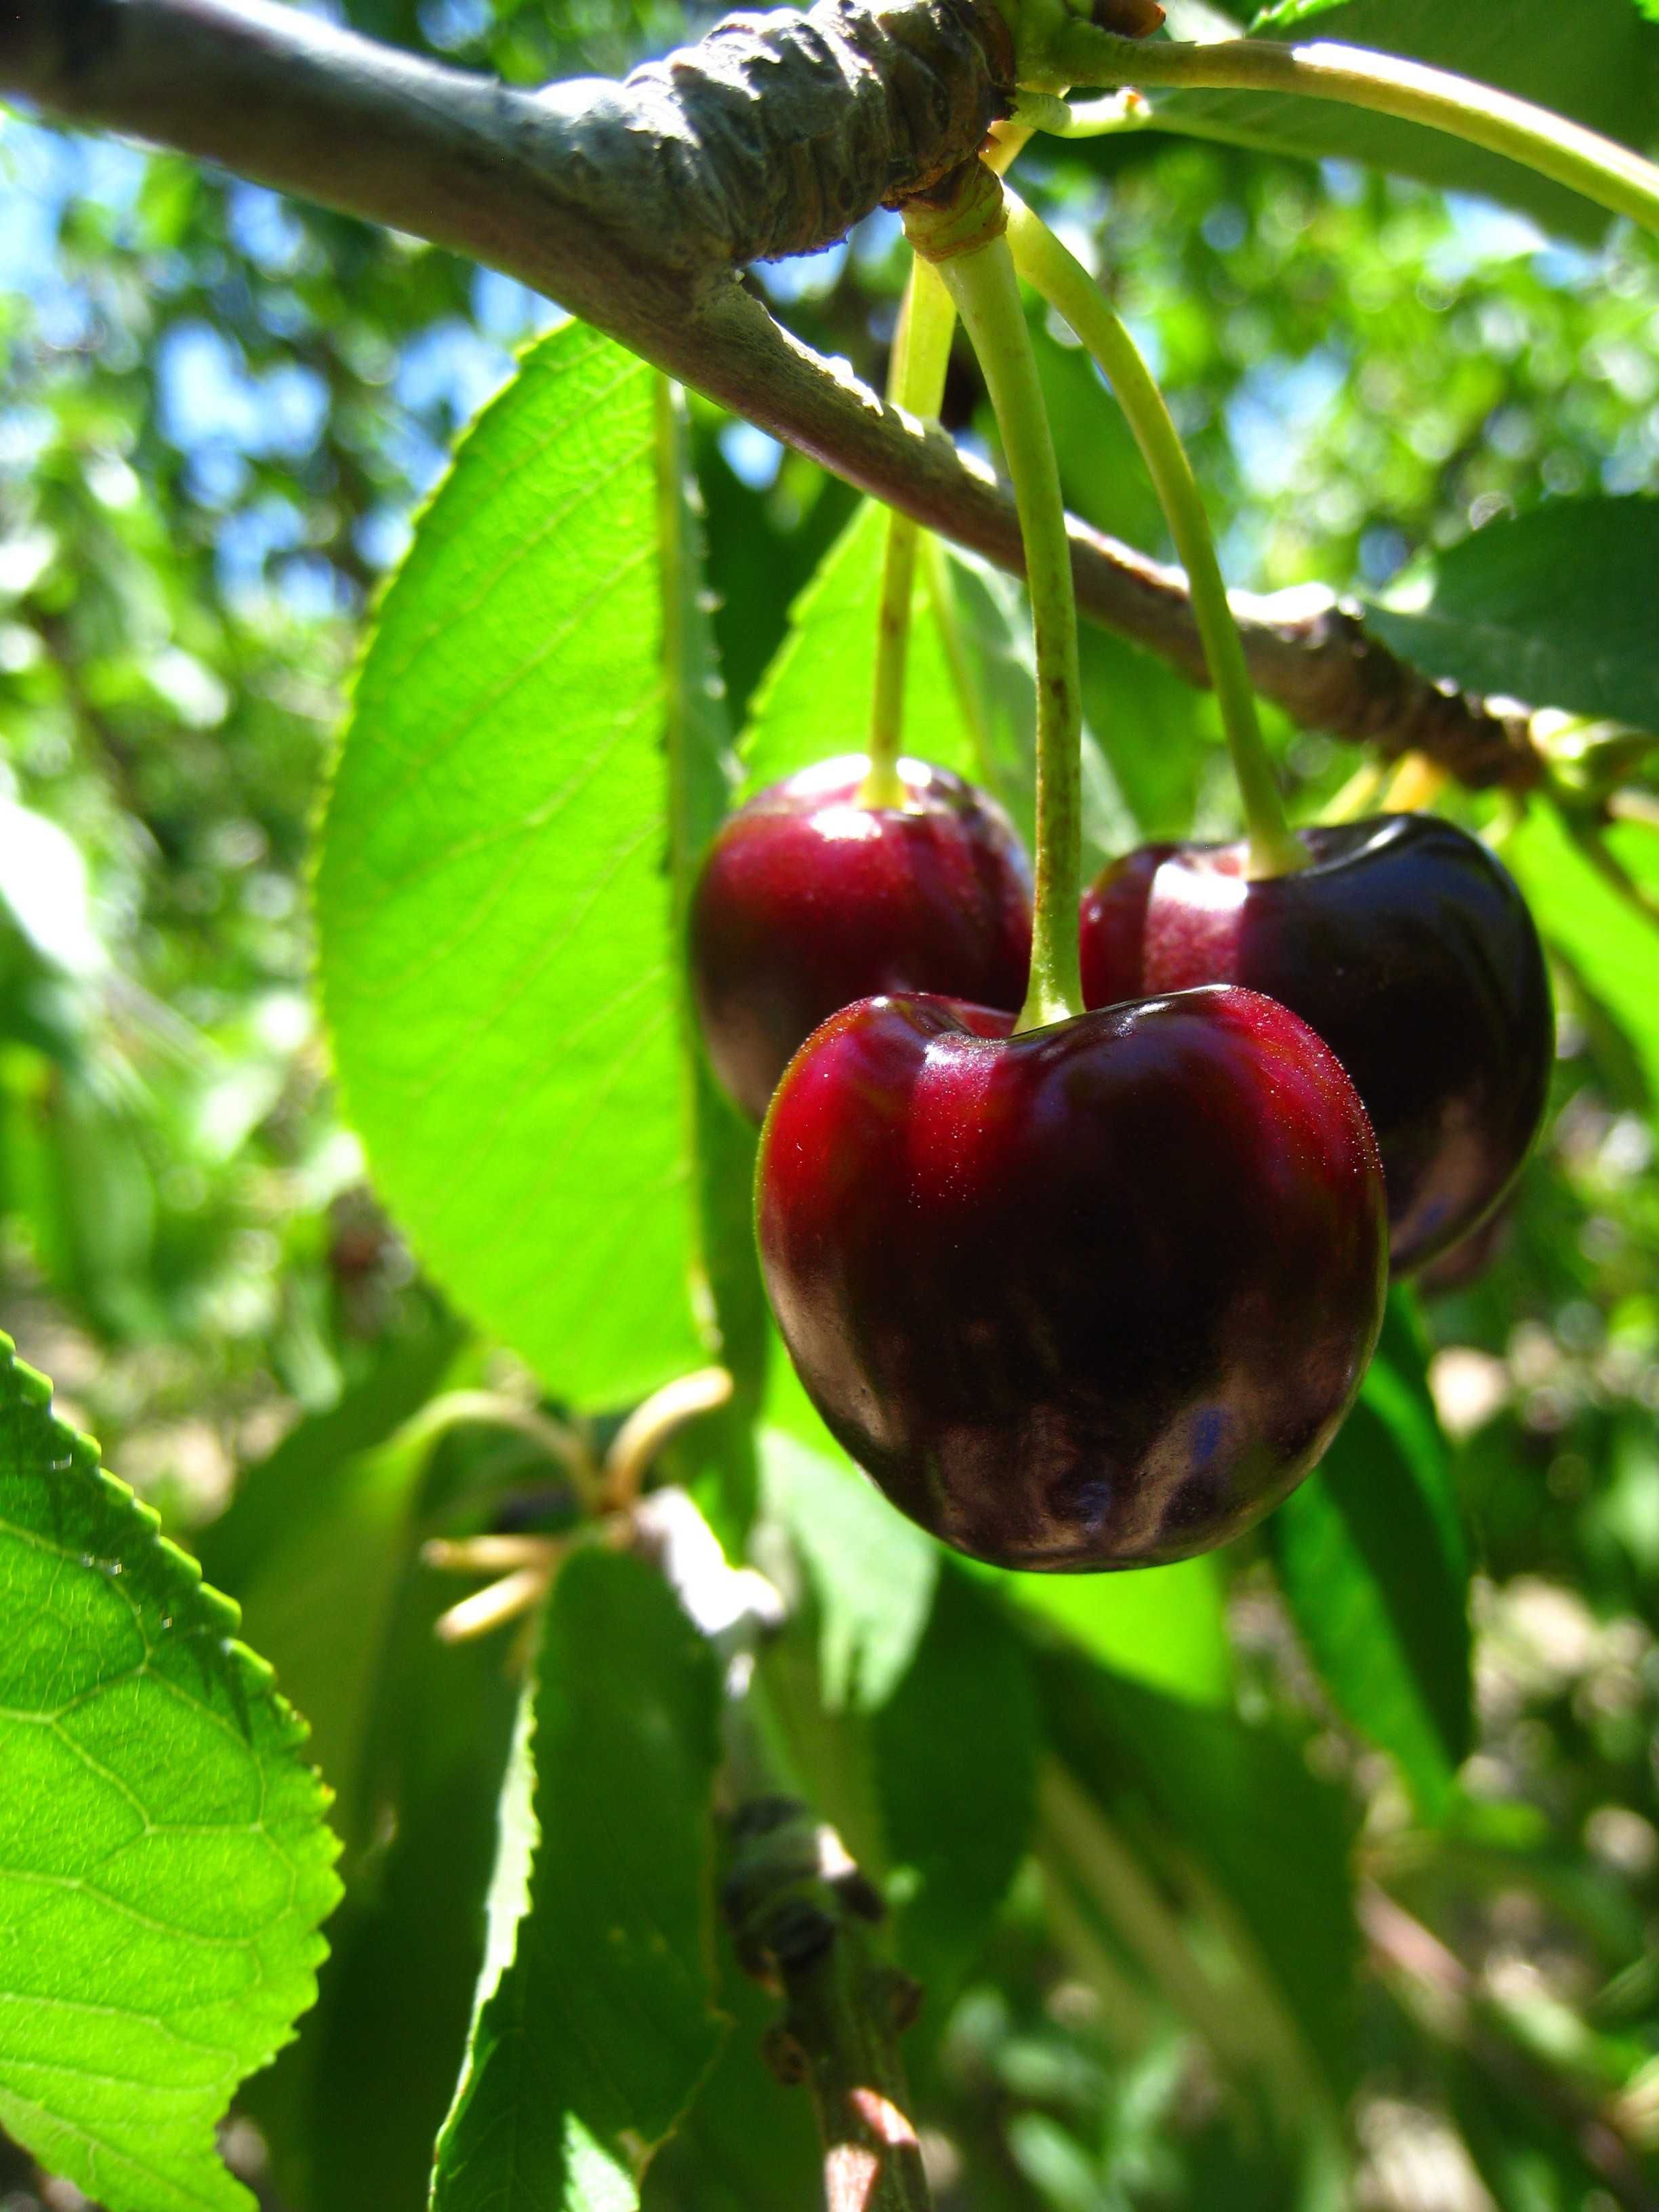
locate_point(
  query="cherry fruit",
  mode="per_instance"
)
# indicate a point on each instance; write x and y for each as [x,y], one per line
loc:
[1405,944]
[1093,1296]
[810,899]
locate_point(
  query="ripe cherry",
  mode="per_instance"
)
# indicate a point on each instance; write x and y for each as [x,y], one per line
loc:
[810,899]
[1093,1296]
[1408,946]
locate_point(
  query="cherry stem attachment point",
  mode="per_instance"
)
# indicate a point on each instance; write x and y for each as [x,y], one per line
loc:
[921,355]
[1598,168]
[966,241]
[1067,285]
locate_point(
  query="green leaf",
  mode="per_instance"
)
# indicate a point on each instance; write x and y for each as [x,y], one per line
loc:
[493,909]
[1372,1563]
[955,1750]
[872,1571]
[702,776]
[349,2110]
[164,1866]
[1554,608]
[1617,950]
[749,2142]
[1234,1811]
[814,701]
[595,2021]
[315,1543]
[1163,1626]
[1595,62]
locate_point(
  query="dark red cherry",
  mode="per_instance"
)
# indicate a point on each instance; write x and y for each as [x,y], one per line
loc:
[808,899]
[1094,1296]
[1408,946]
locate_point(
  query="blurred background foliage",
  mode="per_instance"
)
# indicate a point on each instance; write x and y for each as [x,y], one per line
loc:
[220,411]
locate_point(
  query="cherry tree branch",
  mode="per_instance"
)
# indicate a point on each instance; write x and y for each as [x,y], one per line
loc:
[634,205]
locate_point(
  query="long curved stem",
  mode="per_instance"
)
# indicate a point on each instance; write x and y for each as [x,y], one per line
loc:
[983,284]
[1599,168]
[921,355]
[1067,285]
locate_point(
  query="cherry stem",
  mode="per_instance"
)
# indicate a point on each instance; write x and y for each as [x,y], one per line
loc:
[921,355]
[1599,168]
[1067,285]
[982,282]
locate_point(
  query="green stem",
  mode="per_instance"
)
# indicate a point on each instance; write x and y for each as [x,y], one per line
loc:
[987,292]
[1584,160]
[921,355]
[1067,285]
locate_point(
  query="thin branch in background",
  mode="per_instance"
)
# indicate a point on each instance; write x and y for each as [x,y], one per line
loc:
[551,188]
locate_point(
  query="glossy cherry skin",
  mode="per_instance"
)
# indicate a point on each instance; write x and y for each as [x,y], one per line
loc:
[1094,1296]
[1408,946]
[808,899]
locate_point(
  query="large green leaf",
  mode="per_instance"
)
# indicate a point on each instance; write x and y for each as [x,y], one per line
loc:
[1554,608]
[814,701]
[872,1573]
[315,1543]
[595,2021]
[1613,946]
[1163,1626]
[164,1865]
[1234,1812]
[349,2110]
[493,907]
[1371,1560]
[1596,61]
[955,1750]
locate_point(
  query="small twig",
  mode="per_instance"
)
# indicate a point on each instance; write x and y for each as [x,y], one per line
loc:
[802,1917]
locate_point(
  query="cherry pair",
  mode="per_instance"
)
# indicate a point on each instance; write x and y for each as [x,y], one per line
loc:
[1099,1294]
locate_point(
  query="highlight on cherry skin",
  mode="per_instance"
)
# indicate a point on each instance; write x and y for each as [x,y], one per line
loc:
[1094,1296]
[808,899]
[1406,946]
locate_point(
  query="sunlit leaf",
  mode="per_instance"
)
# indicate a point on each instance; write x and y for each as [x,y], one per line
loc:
[1372,1562]
[872,1571]
[492,901]
[814,701]
[1596,62]
[595,2022]
[1614,947]
[164,1865]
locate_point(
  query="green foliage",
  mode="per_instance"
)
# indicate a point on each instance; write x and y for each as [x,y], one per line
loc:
[1607,941]
[1371,1560]
[490,895]
[1166,1626]
[815,698]
[1554,608]
[955,1753]
[595,2020]
[872,1573]
[1595,63]
[1114,1817]
[1232,1815]
[163,1860]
